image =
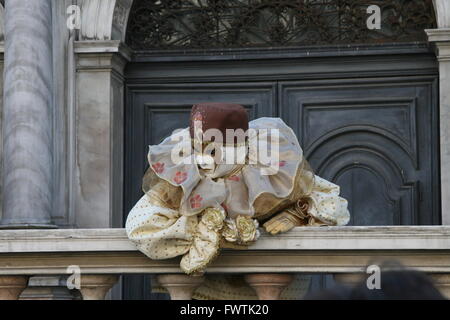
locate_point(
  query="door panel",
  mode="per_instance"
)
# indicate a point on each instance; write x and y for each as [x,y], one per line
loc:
[371,137]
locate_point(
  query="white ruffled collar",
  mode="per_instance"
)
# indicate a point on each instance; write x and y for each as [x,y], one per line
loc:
[207,186]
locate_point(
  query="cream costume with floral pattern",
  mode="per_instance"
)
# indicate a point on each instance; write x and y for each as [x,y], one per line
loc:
[192,210]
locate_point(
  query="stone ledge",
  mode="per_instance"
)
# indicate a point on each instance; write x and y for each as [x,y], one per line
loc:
[229,261]
[310,238]
[307,250]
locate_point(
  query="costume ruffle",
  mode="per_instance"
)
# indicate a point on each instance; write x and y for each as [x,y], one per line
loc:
[213,187]
[190,207]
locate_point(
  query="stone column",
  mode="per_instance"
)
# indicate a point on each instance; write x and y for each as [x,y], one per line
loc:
[442,282]
[95,287]
[269,286]
[180,286]
[12,286]
[27,115]
[441,39]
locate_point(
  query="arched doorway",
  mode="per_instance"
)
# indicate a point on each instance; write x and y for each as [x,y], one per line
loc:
[362,102]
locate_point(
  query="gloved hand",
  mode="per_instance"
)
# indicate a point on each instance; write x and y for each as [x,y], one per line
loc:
[288,219]
[282,222]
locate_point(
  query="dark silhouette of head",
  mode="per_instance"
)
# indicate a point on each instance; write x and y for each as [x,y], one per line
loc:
[396,283]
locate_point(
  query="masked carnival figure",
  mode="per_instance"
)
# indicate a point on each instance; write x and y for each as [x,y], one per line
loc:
[211,186]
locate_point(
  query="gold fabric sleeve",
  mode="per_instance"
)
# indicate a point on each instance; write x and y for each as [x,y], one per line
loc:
[314,201]
[160,191]
[267,204]
[160,232]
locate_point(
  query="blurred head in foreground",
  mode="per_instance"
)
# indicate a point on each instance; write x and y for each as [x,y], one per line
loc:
[399,284]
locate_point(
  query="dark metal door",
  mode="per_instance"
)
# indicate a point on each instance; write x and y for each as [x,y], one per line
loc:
[375,138]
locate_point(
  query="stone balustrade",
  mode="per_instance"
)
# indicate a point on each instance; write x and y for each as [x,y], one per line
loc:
[104,254]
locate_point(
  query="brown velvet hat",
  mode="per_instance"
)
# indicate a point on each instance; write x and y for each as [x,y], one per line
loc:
[221,116]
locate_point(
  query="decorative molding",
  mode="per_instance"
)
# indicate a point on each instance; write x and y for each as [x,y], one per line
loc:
[120,19]
[97,19]
[99,47]
[442,9]
[438,35]
[104,19]
[441,39]
[237,262]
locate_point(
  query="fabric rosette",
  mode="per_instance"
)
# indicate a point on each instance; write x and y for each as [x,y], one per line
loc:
[213,219]
[243,230]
